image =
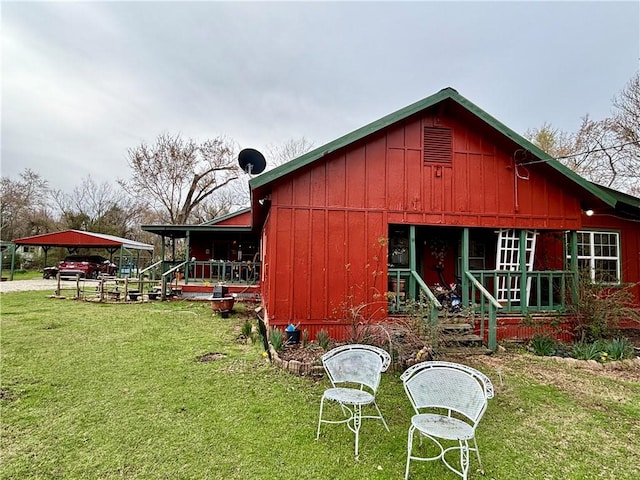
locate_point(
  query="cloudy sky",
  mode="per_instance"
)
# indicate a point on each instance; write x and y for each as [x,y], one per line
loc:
[82,82]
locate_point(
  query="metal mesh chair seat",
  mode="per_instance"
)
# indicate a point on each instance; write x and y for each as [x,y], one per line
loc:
[354,372]
[442,426]
[351,396]
[449,400]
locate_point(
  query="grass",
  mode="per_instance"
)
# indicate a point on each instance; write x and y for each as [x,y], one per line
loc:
[118,391]
[22,274]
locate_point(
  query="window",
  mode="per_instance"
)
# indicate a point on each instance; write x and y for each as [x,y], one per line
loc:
[599,254]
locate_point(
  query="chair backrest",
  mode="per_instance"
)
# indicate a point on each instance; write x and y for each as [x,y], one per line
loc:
[361,364]
[447,385]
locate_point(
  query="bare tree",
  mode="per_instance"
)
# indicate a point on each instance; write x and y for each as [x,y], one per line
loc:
[100,208]
[238,194]
[175,176]
[626,124]
[605,151]
[24,206]
[293,148]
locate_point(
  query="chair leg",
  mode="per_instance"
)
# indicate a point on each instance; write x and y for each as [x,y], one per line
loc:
[409,450]
[381,417]
[464,458]
[475,444]
[357,420]
[320,417]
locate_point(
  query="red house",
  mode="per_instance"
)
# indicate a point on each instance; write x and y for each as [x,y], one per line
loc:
[437,192]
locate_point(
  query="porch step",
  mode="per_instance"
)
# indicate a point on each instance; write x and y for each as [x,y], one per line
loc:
[453,317]
[463,339]
[455,327]
[459,335]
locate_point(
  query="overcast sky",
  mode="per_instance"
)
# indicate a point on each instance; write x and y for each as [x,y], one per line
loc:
[82,82]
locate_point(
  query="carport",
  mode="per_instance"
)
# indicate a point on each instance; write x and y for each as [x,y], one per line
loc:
[73,240]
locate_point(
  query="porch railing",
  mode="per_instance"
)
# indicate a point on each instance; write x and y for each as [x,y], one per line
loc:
[222,271]
[486,305]
[402,292]
[535,291]
[150,270]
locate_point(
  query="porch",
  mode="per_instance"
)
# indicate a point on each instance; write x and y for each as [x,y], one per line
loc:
[198,278]
[487,275]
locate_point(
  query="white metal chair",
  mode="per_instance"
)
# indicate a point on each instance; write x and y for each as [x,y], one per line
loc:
[354,372]
[449,400]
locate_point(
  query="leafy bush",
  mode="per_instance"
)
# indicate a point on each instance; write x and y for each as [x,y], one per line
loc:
[276,338]
[543,345]
[323,339]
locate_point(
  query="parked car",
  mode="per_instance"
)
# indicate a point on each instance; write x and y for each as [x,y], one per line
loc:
[87,266]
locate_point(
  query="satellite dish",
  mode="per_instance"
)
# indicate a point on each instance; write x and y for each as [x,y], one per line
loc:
[251,161]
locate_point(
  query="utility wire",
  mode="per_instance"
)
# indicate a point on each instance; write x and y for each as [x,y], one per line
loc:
[604,149]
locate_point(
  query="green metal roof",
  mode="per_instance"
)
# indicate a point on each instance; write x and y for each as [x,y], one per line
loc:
[448,93]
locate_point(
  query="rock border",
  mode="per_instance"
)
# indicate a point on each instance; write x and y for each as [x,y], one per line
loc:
[628,364]
[296,367]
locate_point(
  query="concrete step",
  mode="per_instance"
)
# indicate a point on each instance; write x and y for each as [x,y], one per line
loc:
[455,327]
[463,351]
[462,339]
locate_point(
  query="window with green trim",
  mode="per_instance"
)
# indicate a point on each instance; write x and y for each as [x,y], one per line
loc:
[599,255]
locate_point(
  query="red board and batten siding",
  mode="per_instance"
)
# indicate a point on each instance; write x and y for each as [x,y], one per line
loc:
[326,219]
[240,220]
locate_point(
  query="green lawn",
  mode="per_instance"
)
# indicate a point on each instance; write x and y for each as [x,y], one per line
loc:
[21,274]
[117,391]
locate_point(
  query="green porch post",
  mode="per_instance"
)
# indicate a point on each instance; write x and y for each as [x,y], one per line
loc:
[465,266]
[120,261]
[522,262]
[573,246]
[13,261]
[412,260]
[46,254]
[163,293]
[187,251]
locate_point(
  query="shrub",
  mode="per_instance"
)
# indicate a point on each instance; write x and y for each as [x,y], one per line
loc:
[600,307]
[618,349]
[276,338]
[323,339]
[305,337]
[543,345]
[587,351]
